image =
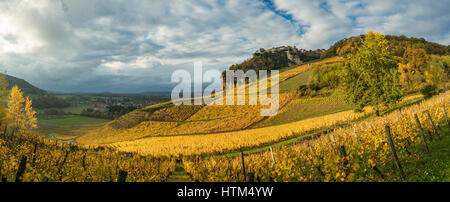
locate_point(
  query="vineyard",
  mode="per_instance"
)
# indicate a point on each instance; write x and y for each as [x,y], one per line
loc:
[289,113]
[312,138]
[362,152]
[218,143]
[184,120]
[32,158]
[358,152]
[224,99]
[292,72]
[166,119]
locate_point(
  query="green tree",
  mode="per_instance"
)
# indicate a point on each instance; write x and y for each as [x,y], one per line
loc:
[436,74]
[371,78]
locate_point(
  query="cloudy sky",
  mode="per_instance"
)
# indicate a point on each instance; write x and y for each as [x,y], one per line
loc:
[134,46]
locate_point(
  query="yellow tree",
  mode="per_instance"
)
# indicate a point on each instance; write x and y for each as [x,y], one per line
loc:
[30,115]
[20,113]
[412,69]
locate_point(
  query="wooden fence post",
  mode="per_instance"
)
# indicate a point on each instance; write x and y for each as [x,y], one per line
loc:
[394,153]
[5,131]
[273,158]
[34,154]
[421,133]
[21,169]
[1,176]
[432,124]
[445,114]
[251,177]
[243,166]
[84,161]
[122,176]
[344,155]
[60,168]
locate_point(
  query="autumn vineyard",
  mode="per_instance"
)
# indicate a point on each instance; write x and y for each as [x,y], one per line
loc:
[372,108]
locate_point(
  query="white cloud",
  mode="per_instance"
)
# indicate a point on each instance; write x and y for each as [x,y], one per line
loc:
[331,20]
[123,45]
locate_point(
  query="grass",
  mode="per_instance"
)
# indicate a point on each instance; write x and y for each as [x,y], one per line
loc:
[293,84]
[303,108]
[179,174]
[420,166]
[72,121]
[434,167]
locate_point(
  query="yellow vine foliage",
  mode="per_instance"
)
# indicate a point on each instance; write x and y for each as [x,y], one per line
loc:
[229,141]
[52,161]
[320,159]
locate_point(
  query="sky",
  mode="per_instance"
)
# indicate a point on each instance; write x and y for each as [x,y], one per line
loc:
[131,46]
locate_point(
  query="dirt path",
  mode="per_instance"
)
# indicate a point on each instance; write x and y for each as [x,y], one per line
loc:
[65,141]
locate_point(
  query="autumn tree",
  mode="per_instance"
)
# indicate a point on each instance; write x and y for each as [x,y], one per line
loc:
[371,78]
[30,115]
[412,69]
[437,74]
[20,113]
[348,48]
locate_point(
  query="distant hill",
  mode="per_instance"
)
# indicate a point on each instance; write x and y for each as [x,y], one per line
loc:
[398,45]
[26,87]
[41,98]
[277,58]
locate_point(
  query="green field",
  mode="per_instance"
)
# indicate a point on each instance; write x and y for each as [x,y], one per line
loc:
[432,168]
[303,108]
[72,121]
[76,109]
[293,84]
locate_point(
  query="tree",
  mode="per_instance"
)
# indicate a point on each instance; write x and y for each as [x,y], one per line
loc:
[3,98]
[437,75]
[412,69]
[30,115]
[20,113]
[428,91]
[371,78]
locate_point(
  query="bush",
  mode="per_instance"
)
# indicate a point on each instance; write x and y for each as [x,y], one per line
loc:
[429,90]
[326,77]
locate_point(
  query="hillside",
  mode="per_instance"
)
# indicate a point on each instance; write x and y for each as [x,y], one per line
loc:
[183,123]
[41,98]
[398,45]
[310,100]
[26,87]
[167,119]
[277,58]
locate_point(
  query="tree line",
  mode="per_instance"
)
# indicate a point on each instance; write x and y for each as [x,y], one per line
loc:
[112,112]
[272,60]
[398,45]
